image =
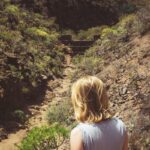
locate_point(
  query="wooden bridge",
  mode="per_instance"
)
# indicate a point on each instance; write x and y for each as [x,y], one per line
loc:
[78,46]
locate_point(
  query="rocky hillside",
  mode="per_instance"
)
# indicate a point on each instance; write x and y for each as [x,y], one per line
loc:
[29,53]
[121,59]
[128,81]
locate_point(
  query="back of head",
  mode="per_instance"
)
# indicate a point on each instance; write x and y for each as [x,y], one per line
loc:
[90,100]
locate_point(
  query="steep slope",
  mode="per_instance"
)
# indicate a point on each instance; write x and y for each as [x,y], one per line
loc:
[30,53]
[121,59]
[128,80]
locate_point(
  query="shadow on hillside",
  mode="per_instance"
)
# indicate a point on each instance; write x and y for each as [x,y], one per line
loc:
[14,110]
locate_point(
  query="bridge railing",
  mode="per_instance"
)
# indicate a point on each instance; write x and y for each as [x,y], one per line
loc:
[78,46]
[68,38]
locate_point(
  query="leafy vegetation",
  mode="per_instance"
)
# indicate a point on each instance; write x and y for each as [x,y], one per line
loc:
[144,18]
[60,113]
[20,116]
[111,38]
[29,51]
[83,69]
[12,9]
[44,138]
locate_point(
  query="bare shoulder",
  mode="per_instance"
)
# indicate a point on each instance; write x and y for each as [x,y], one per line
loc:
[120,123]
[75,132]
[76,141]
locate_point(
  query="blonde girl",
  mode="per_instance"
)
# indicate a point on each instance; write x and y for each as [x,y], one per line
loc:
[97,128]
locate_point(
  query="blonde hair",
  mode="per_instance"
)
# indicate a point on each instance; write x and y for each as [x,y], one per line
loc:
[90,100]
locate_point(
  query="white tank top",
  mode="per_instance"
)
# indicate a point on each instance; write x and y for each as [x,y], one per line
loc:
[105,135]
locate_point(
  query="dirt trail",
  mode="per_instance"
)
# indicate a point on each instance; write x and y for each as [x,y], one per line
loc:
[55,91]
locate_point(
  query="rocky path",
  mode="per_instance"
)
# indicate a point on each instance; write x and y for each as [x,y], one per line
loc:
[57,89]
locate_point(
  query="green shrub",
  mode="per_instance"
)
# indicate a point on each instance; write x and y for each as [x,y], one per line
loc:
[12,9]
[77,59]
[93,65]
[3,20]
[6,36]
[90,33]
[108,31]
[10,36]
[69,32]
[125,20]
[130,23]
[144,19]
[36,33]
[41,33]
[59,113]
[3,4]
[85,34]
[111,32]
[44,138]
[83,69]
[19,116]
